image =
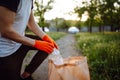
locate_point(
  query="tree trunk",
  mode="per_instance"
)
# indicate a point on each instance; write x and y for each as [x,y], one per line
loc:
[103,28]
[112,28]
[90,28]
[100,28]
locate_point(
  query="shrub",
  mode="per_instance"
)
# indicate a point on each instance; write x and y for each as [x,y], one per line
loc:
[103,52]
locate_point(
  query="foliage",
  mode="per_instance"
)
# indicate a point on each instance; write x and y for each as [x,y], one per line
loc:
[103,52]
[80,11]
[41,9]
[90,7]
[60,23]
[108,11]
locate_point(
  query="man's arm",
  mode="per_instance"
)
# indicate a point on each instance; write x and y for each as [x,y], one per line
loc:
[34,27]
[6,27]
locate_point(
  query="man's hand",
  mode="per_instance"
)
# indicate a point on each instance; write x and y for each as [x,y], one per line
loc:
[44,46]
[49,39]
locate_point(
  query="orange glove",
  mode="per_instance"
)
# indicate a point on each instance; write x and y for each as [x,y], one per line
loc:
[48,39]
[44,46]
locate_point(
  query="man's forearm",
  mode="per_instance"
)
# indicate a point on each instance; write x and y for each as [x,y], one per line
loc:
[37,30]
[34,27]
[13,35]
[7,18]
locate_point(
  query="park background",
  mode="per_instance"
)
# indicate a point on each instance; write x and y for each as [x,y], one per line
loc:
[99,35]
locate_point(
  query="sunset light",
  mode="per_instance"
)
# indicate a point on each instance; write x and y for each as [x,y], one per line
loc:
[63,9]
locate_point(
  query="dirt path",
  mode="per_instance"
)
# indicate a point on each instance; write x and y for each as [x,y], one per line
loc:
[67,46]
[67,49]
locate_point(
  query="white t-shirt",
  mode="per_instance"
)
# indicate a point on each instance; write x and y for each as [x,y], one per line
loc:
[7,46]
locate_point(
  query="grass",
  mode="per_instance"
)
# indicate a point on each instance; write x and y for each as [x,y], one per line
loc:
[103,52]
[54,35]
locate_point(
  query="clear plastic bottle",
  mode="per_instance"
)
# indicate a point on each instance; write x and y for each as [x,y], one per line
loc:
[56,57]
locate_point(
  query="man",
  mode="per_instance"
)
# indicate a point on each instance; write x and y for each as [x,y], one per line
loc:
[15,15]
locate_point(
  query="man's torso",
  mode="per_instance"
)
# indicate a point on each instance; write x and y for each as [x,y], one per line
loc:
[22,8]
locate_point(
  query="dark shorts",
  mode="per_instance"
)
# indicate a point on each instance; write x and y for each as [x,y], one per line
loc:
[10,66]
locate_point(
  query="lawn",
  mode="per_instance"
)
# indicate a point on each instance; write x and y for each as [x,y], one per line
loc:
[56,35]
[103,53]
[53,35]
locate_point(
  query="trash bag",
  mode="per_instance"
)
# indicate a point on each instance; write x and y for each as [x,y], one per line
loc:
[73,68]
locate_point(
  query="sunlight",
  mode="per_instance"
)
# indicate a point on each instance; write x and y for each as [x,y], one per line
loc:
[63,9]
[85,16]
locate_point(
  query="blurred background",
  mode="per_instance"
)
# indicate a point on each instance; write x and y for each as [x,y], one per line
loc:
[95,25]
[86,15]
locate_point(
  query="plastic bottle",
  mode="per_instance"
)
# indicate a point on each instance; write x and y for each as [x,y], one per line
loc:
[56,57]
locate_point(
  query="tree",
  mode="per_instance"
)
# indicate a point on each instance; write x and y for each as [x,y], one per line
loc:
[40,11]
[108,10]
[98,22]
[79,11]
[90,7]
[62,24]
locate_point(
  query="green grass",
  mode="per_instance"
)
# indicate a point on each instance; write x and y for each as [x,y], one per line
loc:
[103,52]
[53,35]
[56,35]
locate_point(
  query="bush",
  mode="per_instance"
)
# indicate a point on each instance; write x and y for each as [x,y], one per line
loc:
[103,52]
